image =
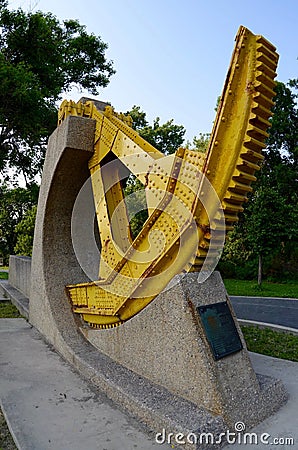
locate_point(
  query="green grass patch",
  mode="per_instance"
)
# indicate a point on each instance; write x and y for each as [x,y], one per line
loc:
[271,343]
[3,275]
[8,310]
[267,289]
[6,441]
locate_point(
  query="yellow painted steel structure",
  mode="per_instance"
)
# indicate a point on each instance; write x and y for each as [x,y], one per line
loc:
[185,223]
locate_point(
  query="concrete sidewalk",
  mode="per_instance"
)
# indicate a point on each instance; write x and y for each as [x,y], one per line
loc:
[49,406]
[283,424]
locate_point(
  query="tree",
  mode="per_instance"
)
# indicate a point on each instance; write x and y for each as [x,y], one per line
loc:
[135,198]
[282,142]
[268,227]
[39,59]
[272,223]
[14,203]
[138,116]
[166,138]
[199,143]
[276,188]
[25,233]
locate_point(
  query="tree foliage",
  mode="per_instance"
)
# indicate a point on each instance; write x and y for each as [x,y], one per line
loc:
[39,59]
[14,204]
[24,231]
[199,143]
[166,138]
[135,199]
[267,230]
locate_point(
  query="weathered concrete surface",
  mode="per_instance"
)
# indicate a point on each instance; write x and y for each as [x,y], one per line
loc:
[283,424]
[20,273]
[54,263]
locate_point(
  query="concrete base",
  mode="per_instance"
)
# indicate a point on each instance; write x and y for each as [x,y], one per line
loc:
[166,344]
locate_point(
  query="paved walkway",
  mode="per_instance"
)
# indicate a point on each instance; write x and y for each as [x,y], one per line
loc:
[284,424]
[49,406]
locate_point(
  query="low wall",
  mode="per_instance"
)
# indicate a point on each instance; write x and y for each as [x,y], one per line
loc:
[20,273]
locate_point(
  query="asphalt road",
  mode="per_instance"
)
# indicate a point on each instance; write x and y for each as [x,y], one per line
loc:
[279,311]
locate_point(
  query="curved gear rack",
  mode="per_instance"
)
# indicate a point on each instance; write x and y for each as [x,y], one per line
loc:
[192,198]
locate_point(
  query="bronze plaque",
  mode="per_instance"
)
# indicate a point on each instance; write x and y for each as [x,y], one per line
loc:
[220,329]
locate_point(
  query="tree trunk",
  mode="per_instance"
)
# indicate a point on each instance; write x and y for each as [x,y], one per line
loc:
[260,271]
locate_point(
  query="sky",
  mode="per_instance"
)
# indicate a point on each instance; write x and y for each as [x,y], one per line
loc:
[171,57]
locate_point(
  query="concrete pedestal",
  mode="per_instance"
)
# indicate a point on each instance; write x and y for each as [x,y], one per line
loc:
[166,343]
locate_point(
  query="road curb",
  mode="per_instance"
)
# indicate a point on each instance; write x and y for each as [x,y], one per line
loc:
[263,298]
[271,326]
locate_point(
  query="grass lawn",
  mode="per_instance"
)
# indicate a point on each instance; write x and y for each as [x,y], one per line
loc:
[271,343]
[8,310]
[267,289]
[3,276]
[6,441]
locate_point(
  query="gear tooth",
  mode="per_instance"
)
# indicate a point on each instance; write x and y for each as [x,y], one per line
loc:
[105,326]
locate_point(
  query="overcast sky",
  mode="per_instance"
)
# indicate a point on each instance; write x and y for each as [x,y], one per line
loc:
[171,57]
